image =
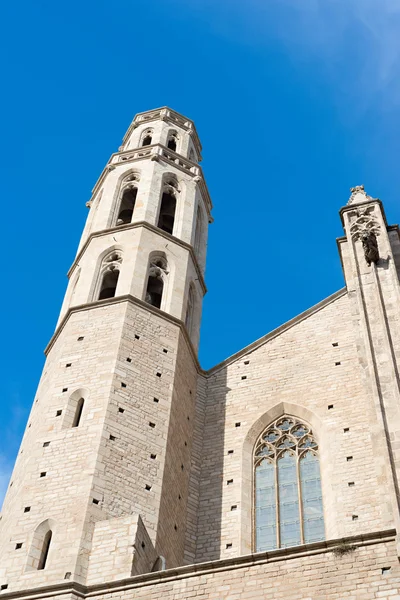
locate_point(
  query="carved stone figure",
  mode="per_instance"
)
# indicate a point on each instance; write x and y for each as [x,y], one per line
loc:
[370,247]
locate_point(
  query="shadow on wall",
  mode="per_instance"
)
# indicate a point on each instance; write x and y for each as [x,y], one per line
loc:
[214,483]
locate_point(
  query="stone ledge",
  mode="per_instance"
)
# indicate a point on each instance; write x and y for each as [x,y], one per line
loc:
[117,300]
[206,568]
[151,228]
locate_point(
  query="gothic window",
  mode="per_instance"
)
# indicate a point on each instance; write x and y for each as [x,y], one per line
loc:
[190,310]
[109,275]
[78,412]
[45,550]
[38,555]
[166,217]
[155,283]
[287,498]
[198,231]
[128,199]
[172,141]
[147,137]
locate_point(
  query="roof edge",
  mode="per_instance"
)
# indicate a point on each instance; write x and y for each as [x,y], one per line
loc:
[275,332]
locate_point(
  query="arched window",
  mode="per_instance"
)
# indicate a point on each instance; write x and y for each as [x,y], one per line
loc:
[288,498]
[198,231]
[38,555]
[166,217]
[129,190]
[190,310]
[156,279]
[109,275]
[78,412]
[147,137]
[45,550]
[172,140]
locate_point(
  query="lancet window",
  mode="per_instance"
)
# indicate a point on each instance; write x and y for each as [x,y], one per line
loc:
[109,275]
[172,141]
[147,137]
[166,218]
[287,496]
[129,190]
[158,272]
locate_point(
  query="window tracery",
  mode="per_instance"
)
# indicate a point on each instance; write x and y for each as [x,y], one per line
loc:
[147,137]
[129,190]
[287,486]
[158,272]
[170,192]
[172,140]
[109,275]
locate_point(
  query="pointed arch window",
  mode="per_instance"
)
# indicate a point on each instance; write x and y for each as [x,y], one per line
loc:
[190,310]
[78,412]
[166,218]
[45,550]
[129,190]
[198,231]
[147,137]
[38,555]
[287,495]
[158,272]
[172,140]
[109,275]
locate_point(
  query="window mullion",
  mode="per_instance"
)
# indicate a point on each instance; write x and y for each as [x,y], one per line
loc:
[278,530]
[300,500]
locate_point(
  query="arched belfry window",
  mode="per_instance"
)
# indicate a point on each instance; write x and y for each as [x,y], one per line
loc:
[158,272]
[109,275]
[172,140]
[170,192]
[190,310]
[147,137]
[129,190]
[287,496]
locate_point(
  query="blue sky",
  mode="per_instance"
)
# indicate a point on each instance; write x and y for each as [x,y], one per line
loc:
[294,103]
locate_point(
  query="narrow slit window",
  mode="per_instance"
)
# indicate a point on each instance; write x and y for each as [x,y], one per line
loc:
[78,412]
[45,551]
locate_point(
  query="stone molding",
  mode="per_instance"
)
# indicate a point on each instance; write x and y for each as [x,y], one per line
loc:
[117,300]
[165,113]
[150,227]
[206,568]
[112,165]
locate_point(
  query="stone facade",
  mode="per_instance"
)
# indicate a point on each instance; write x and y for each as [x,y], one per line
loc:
[135,477]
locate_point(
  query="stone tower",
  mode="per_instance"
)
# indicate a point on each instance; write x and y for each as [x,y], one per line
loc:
[143,477]
[105,458]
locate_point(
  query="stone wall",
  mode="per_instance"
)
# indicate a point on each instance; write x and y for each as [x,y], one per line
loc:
[310,369]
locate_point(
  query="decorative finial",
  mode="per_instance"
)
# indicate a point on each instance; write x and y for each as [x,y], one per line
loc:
[358,194]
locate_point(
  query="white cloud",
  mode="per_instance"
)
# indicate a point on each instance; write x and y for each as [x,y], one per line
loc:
[360,34]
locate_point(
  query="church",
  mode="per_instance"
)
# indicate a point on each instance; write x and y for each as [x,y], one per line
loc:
[141,476]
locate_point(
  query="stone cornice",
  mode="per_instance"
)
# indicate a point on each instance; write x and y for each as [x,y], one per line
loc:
[137,155]
[112,588]
[166,114]
[150,227]
[276,332]
[118,300]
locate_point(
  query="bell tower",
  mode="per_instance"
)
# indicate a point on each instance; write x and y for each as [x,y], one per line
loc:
[100,487]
